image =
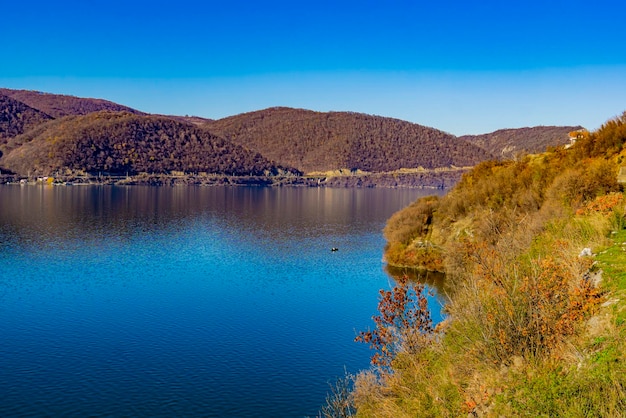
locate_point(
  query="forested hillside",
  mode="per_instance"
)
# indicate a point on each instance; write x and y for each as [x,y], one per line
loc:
[507,143]
[57,105]
[125,143]
[316,141]
[16,118]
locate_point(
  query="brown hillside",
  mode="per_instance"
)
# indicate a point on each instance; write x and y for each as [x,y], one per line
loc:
[57,105]
[316,141]
[195,120]
[120,143]
[16,118]
[507,143]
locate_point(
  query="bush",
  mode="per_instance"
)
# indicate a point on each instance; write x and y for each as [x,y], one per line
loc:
[521,309]
[412,222]
[606,141]
[339,401]
[404,323]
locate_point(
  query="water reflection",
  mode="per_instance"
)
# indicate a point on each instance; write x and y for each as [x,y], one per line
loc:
[433,279]
[185,301]
[97,210]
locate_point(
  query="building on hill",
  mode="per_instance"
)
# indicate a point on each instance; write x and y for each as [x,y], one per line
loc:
[576,135]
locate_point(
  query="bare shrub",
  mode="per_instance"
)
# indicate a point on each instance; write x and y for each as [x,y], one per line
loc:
[340,399]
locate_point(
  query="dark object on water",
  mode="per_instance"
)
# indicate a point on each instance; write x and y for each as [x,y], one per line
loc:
[334,249]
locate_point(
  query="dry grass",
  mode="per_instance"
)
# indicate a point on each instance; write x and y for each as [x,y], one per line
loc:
[529,333]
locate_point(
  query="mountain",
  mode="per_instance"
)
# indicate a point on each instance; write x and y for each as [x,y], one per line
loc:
[57,106]
[507,143]
[315,141]
[17,117]
[46,133]
[125,143]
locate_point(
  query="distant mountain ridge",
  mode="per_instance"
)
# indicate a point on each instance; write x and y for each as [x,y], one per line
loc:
[57,105]
[124,143]
[17,117]
[506,143]
[316,141]
[49,133]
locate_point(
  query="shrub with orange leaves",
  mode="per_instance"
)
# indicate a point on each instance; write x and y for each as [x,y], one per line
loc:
[604,204]
[522,308]
[404,323]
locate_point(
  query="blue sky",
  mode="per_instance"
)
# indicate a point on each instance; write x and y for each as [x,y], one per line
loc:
[463,67]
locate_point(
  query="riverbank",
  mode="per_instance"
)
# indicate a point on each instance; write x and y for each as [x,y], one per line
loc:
[440,179]
[538,333]
[535,258]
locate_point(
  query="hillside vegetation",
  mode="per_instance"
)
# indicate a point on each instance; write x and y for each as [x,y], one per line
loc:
[67,135]
[124,143]
[316,141]
[506,144]
[17,118]
[58,105]
[536,315]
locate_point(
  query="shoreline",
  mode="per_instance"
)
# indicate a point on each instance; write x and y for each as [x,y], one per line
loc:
[437,180]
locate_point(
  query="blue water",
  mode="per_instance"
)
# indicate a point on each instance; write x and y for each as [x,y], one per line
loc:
[185,301]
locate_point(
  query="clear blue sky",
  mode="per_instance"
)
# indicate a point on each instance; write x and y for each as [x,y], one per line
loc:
[460,66]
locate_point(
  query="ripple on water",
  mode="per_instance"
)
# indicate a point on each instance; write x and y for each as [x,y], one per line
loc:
[194,302]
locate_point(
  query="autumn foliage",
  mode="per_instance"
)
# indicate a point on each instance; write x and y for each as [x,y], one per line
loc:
[522,309]
[518,241]
[404,323]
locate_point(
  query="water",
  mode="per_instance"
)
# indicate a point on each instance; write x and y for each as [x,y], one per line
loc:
[185,301]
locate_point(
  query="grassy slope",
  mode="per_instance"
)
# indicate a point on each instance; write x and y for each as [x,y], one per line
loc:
[583,375]
[529,333]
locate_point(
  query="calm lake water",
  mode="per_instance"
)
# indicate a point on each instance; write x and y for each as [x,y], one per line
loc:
[185,301]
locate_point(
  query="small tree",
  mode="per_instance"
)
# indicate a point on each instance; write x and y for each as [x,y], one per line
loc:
[404,323]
